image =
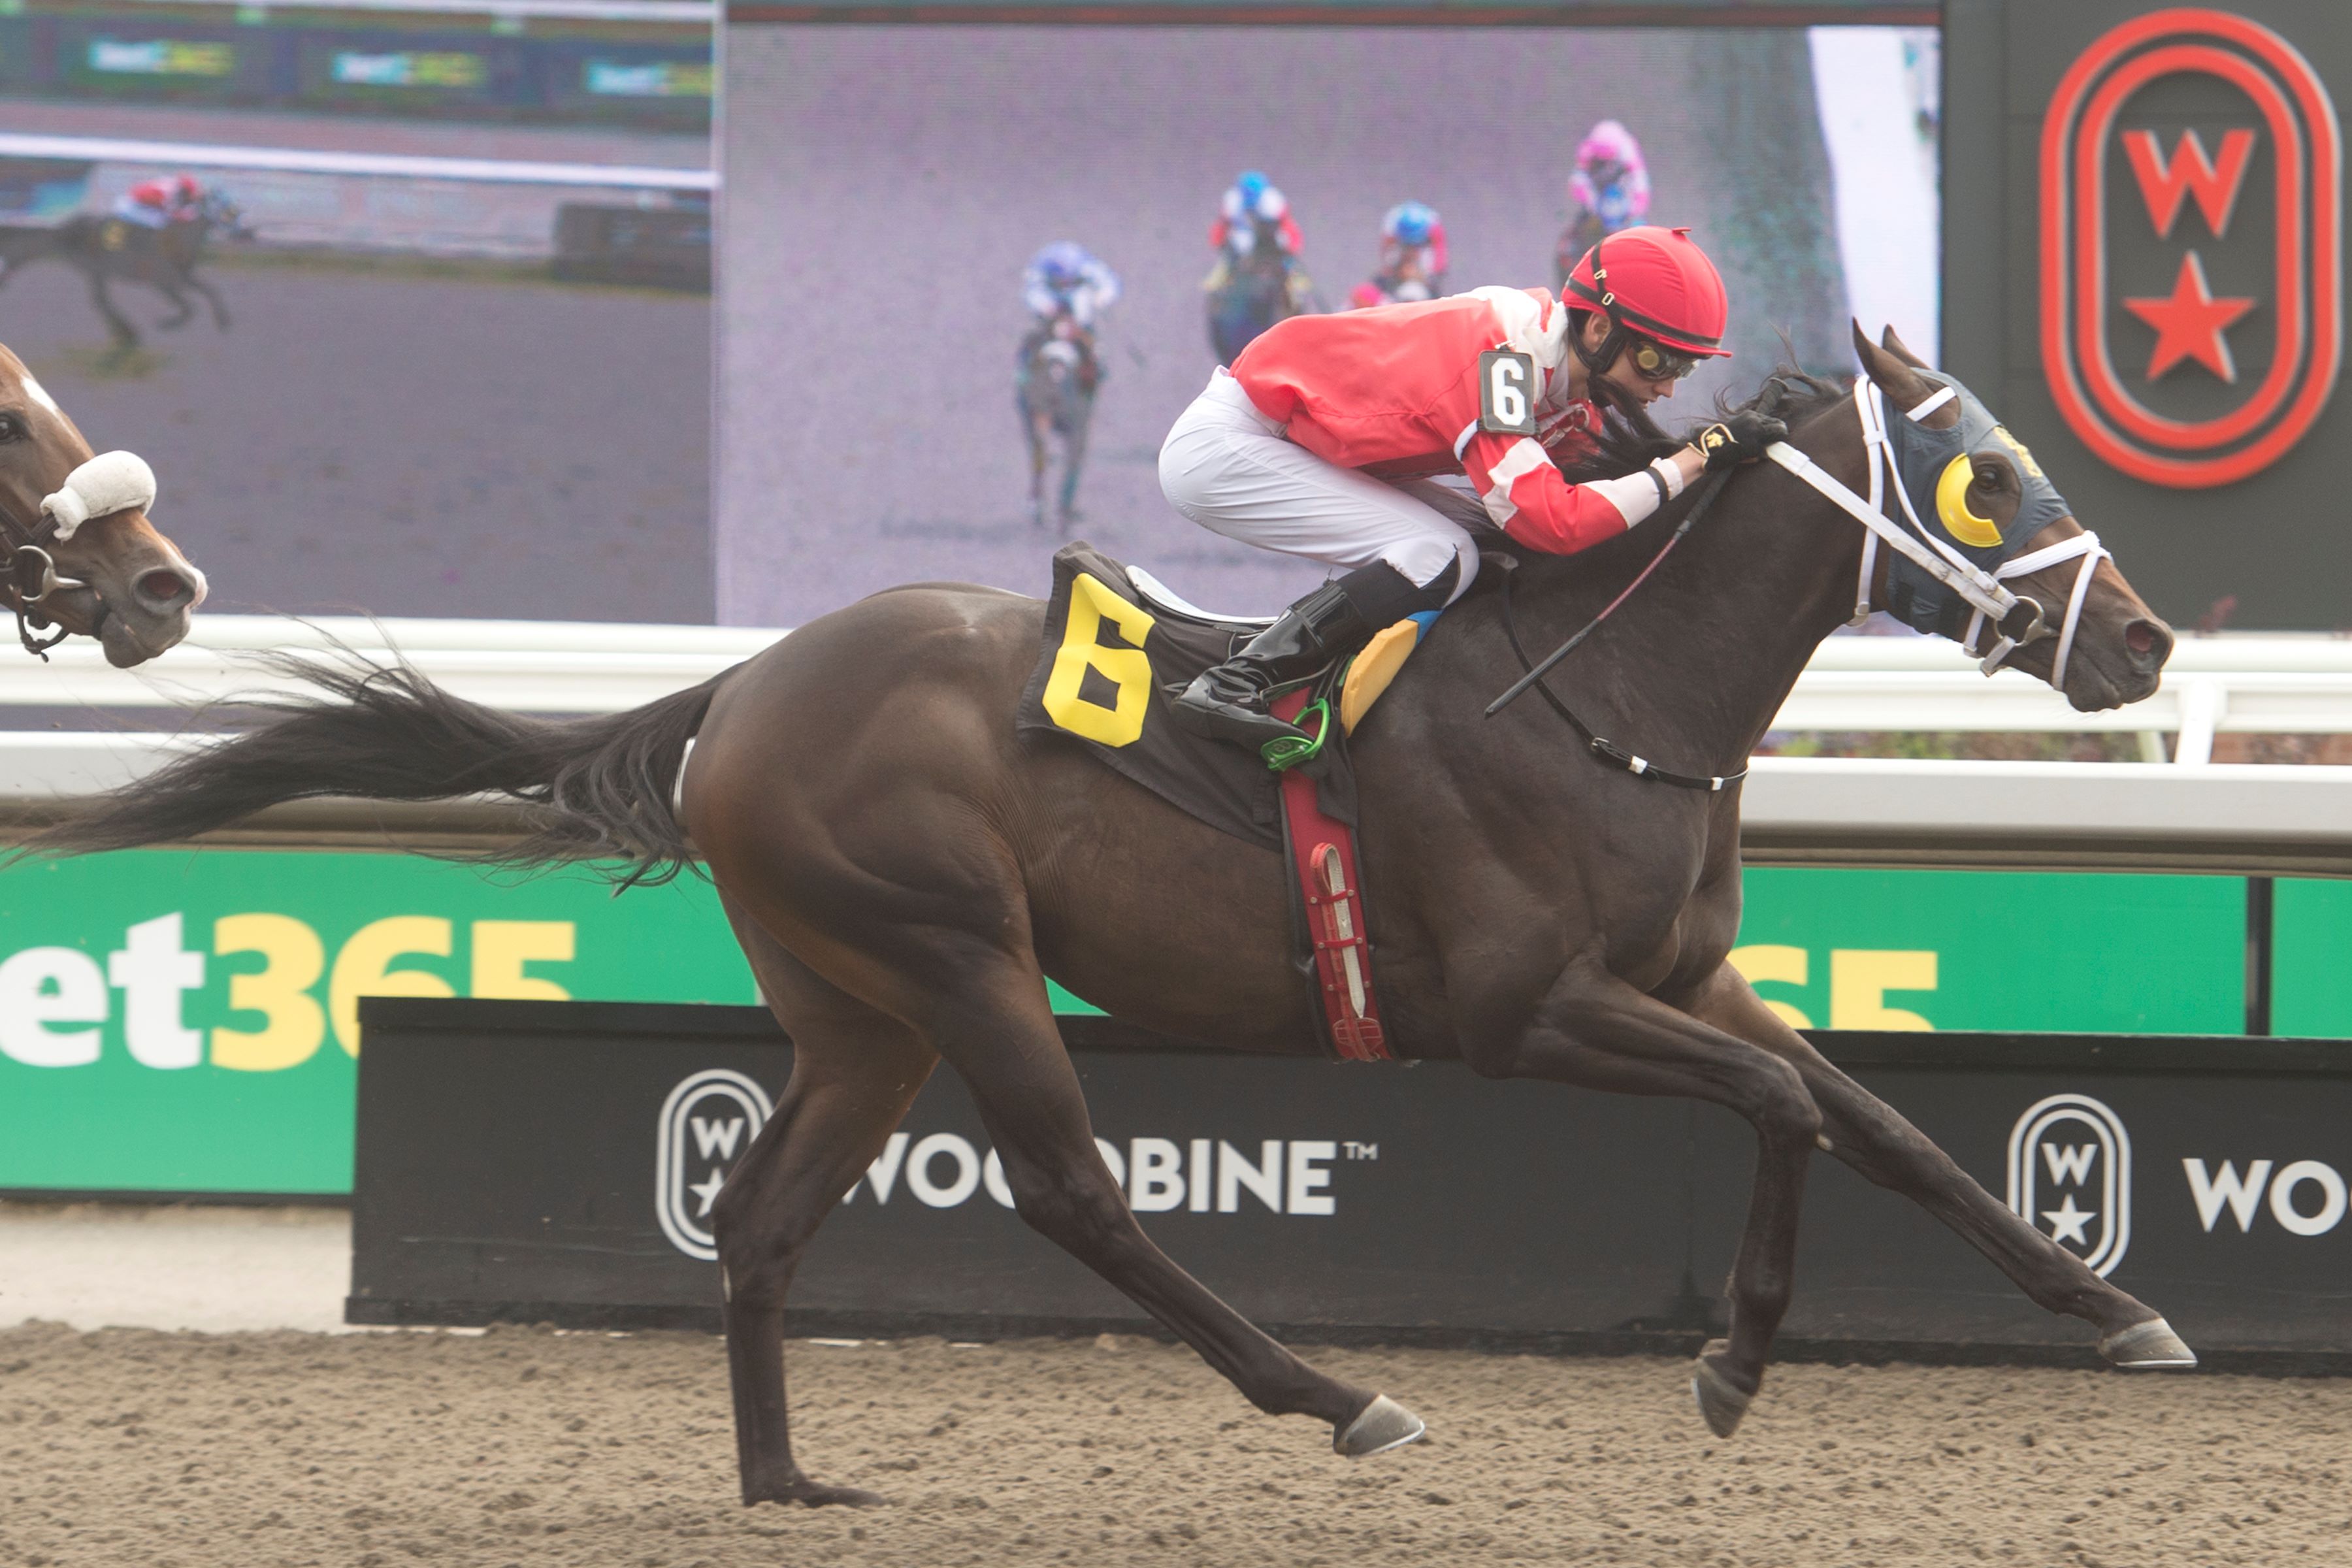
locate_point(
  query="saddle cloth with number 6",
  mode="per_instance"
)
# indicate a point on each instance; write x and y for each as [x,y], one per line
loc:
[1113,655]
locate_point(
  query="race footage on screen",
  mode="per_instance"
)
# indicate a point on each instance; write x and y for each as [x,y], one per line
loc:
[970,276]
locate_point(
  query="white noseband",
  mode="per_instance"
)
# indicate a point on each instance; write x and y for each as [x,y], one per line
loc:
[108,483]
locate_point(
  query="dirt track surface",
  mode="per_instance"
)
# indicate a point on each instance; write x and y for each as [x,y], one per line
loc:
[188,1451]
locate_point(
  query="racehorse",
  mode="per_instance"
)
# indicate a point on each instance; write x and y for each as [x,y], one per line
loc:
[112,249]
[82,556]
[1249,293]
[1055,393]
[903,870]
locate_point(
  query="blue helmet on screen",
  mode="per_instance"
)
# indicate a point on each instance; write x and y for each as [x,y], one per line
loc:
[1062,263]
[1412,223]
[1251,186]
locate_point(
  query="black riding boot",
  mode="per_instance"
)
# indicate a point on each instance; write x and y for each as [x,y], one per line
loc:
[1228,701]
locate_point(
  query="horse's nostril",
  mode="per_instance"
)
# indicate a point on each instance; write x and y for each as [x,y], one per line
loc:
[162,589]
[2148,640]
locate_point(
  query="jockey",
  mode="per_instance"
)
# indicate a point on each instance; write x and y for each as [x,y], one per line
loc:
[1608,190]
[1412,246]
[160,203]
[1065,282]
[1322,440]
[1610,181]
[1248,203]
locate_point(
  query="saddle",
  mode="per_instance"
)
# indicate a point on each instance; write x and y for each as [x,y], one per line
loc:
[1119,644]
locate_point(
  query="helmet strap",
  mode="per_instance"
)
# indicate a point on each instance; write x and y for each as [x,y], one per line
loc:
[1598,361]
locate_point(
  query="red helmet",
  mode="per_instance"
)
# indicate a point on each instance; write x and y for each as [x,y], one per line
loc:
[1656,282]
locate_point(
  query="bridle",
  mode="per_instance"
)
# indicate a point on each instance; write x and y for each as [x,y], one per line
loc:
[2018,620]
[108,483]
[32,576]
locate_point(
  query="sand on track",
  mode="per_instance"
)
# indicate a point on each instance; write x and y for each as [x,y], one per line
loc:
[528,1446]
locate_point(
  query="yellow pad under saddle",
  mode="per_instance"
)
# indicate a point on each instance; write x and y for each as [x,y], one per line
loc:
[1373,669]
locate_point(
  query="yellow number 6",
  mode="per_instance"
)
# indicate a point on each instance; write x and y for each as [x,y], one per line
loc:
[1127,668]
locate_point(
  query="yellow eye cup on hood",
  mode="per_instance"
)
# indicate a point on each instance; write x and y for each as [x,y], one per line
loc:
[1952,506]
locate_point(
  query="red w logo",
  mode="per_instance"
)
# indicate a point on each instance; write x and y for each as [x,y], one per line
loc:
[2189,171]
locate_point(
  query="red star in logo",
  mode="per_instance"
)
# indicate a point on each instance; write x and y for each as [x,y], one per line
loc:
[2189,323]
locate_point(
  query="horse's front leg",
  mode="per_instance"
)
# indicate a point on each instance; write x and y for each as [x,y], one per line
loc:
[1871,1136]
[211,297]
[1596,1031]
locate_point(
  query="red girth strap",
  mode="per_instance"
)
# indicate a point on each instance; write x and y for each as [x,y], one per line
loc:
[1323,859]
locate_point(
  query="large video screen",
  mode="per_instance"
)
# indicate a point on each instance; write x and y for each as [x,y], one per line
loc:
[415,323]
[887,185]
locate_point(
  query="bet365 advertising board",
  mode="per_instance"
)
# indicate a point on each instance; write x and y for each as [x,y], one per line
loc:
[177,1022]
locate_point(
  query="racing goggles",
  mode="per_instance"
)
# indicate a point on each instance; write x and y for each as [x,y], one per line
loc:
[1655,362]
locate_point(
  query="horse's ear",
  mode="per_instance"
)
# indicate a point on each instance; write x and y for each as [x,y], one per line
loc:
[1896,378]
[1900,350]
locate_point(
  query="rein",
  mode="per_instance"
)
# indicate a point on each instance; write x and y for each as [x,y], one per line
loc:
[1607,751]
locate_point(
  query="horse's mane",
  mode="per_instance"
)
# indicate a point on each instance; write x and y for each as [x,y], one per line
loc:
[1630,440]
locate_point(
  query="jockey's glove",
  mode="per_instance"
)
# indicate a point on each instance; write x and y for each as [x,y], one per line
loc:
[1739,437]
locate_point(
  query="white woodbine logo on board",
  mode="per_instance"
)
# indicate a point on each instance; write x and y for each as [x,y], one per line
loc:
[2070,1176]
[707,1123]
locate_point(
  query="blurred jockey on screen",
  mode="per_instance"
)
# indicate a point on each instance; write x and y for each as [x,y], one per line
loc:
[1413,245]
[1066,280]
[1250,203]
[1610,180]
[159,203]
[1322,440]
[1067,283]
[1608,190]
[1413,258]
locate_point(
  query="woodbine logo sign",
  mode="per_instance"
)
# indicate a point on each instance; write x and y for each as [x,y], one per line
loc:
[712,1118]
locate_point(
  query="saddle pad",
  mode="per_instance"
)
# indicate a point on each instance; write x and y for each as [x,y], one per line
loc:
[1108,663]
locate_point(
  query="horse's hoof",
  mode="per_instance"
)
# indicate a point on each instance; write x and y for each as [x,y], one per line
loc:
[1384,1425]
[2151,1346]
[817,1494]
[1721,1401]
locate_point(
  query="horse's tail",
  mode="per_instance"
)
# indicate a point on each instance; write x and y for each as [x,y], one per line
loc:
[600,787]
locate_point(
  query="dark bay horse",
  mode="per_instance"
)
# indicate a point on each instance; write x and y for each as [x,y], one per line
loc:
[903,871]
[111,576]
[1249,293]
[108,250]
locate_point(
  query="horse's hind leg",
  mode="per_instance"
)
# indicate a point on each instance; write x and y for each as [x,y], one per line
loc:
[992,1023]
[855,1072]
[1874,1139]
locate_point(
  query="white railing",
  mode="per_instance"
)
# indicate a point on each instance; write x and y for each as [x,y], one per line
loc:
[2245,683]
[398,165]
[2275,684]
[2236,818]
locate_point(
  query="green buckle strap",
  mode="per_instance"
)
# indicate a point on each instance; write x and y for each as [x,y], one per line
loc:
[1287,752]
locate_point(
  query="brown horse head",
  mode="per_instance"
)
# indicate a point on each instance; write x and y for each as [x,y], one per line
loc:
[2120,645]
[114,578]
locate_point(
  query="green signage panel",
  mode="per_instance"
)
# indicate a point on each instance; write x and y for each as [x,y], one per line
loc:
[180,1021]
[2311,958]
[1998,950]
[177,1022]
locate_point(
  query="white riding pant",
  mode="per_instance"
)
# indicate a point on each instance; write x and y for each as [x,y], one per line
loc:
[1231,470]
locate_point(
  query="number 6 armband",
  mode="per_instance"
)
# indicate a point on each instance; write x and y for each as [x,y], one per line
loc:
[1507,393]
